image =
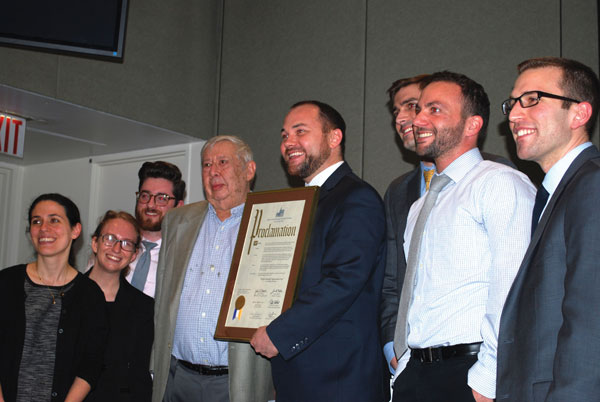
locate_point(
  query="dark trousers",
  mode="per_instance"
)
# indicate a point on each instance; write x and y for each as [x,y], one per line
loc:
[443,381]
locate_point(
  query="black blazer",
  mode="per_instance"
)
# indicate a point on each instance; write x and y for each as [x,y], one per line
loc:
[125,375]
[549,336]
[328,341]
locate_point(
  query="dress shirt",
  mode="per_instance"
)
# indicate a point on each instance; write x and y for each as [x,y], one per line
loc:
[558,170]
[203,288]
[472,247]
[322,177]
[150,285]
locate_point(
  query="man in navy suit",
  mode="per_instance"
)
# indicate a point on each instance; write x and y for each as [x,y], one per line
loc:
[326,346]
[549,336]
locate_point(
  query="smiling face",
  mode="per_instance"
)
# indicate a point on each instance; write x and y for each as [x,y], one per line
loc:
[306,149]
[405,102]
[50,230]
[150,215]
[114,259]
[542,132]
[225,177]
[439,125]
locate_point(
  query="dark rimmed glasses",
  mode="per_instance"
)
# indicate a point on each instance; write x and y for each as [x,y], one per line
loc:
[530,99]
[109,240]
[160,199]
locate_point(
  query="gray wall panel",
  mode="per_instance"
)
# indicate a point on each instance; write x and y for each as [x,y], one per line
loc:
[484,40]
[278,52]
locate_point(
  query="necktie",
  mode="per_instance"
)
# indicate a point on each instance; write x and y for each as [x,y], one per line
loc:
[400,335]
[427,175]
[143,266]
[540,202]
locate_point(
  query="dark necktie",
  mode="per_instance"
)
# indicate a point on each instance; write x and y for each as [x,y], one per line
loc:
[540,202]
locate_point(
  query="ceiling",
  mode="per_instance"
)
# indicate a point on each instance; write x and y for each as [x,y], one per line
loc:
[58,130]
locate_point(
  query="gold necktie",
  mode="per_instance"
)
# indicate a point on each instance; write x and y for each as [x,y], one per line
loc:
[428,174]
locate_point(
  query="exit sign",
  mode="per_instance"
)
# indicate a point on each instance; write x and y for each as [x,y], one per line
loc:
[12,135]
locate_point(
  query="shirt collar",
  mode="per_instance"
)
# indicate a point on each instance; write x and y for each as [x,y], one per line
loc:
[322,177]
[558,170]
[236,212]
[462,165]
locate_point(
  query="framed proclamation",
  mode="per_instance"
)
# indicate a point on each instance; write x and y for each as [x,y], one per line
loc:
[267,260]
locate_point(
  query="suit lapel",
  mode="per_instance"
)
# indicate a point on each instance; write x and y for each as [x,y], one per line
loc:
[334,179]
[582,158]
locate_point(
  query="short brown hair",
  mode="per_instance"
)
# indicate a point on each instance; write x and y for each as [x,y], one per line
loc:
[578,82]
[401,83]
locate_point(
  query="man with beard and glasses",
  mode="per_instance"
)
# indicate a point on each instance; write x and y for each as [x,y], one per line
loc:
[160,190]
[464,241]
[326,346]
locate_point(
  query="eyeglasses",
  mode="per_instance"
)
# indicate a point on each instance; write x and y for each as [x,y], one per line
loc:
[530,99]
[109,240]
[159,199]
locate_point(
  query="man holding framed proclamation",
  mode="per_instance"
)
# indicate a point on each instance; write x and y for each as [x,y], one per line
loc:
[326,347]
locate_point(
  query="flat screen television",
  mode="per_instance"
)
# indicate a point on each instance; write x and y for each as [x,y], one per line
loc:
[88,27]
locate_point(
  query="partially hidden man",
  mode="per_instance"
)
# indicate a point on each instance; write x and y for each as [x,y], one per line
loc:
[326,347]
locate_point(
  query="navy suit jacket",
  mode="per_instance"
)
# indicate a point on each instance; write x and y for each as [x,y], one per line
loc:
[549,339]
[328,341]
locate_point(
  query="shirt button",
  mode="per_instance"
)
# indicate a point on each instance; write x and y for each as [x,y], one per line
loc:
[60,331]
[54,394]
[217,247]
[203,315]
[207,291]
[212,267]
[201,339]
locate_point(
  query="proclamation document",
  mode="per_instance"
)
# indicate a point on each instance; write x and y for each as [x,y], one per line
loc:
[267,260]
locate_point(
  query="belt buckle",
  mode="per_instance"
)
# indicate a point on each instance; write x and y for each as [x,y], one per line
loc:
[427,355]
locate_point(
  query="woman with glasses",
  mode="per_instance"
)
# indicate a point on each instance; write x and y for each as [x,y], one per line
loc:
[125,375]
[52,318]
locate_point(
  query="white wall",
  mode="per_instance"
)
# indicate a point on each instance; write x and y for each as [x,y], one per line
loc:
[95,185]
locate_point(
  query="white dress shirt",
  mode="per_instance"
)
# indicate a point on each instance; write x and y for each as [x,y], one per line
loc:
[472,247]
[150,285]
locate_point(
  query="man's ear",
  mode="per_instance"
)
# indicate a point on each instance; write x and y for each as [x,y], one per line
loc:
[582,114]
[250,170]
[473,125]
[334,138]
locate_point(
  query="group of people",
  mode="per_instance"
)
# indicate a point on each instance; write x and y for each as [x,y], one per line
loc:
[471,283]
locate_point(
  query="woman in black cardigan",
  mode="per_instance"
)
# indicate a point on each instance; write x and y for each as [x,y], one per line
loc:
[125,376]
[52,319]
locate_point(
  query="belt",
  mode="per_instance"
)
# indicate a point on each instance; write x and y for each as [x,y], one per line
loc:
[205,370]
[430,355]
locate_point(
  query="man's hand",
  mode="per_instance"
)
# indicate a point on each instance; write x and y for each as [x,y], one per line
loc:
[394,363]
[262,343]
[480,398]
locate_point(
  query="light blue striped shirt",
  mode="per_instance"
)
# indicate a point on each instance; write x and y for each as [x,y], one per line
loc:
[203,289]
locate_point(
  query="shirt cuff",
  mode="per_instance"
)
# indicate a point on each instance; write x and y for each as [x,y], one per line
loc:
[482,380]
[388,352]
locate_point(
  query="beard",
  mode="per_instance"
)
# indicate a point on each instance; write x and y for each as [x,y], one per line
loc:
[146,224]
[445,139]
[311,164]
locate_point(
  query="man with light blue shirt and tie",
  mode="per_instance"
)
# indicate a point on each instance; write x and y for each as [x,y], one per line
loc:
[198,243]
[464,241]
[549,331]
[160,190]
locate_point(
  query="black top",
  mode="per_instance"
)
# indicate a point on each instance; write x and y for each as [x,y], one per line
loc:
[80,338]
[125,375]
